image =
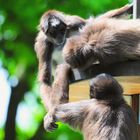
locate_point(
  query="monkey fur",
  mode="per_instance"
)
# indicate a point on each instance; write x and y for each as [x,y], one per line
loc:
[107,41]
[44,47]
[54,28]
[105,116]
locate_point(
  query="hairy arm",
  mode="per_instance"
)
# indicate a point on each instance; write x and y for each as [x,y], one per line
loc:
[70,113]
[44,50]
[59,94]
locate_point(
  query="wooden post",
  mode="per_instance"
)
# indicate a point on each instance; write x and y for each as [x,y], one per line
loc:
[136,14]
[135,105]
[136,9]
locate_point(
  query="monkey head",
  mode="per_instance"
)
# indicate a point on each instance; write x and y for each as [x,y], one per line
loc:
[54,28]
[105,87]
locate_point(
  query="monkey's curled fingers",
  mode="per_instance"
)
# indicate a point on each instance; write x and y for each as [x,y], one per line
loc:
[50,123]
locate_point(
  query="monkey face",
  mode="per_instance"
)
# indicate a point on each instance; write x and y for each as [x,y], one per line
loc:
[56,31]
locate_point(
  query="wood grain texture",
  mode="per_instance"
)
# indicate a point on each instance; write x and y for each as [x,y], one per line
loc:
[80,90]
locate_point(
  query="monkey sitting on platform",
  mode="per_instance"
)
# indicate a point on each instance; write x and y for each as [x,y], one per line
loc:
[54,28]
[107,40]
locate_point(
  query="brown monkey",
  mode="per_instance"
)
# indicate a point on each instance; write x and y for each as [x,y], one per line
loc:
[57,26]
[106,116]
[105,40]
[54,28]
[44,48]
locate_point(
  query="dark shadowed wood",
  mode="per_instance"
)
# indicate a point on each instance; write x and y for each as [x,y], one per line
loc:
[130,68]
[135,105]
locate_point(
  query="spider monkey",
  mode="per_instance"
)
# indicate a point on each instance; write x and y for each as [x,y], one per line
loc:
[107,41]
[54,28]
[105,116]
[44,47]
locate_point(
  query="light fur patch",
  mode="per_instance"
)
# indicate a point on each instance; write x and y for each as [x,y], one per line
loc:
[55,22]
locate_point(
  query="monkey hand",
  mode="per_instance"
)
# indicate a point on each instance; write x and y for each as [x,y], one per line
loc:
[50,123]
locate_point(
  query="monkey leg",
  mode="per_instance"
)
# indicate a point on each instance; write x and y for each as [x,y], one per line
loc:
[117,12]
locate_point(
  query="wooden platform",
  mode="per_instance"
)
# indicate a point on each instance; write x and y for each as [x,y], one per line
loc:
[80,90]
[131,84]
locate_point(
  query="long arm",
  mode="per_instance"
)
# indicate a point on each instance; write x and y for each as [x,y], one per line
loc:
[70,113]
[58,92]
[44,50]
[58,95]
[60,87]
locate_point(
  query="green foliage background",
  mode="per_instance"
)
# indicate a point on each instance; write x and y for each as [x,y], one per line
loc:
[18,28]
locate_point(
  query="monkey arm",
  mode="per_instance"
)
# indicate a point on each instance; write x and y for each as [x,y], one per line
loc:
[58,93]
[44,50]
[60,88]
[71,113]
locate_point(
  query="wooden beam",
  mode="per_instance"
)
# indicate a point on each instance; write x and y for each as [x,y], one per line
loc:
[130,68]
[136,9]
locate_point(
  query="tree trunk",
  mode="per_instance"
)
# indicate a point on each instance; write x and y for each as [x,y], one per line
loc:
[16,96]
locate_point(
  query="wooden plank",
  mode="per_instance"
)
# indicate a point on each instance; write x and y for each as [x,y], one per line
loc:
[130,68]
[80,90]
[136,9]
